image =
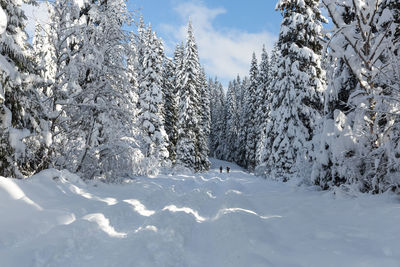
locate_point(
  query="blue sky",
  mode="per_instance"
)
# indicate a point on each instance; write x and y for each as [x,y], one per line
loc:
[255,17]
[227,31]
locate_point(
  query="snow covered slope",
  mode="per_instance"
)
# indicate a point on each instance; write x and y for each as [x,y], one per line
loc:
[213,219]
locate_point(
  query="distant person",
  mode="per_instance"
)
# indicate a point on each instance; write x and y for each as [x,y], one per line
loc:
[220,169]
[228,169]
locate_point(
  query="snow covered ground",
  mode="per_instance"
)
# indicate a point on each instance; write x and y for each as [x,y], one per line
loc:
[212,219]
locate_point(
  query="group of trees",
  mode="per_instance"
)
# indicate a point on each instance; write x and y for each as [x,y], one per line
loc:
[91,97]
[324,103]
[98,100]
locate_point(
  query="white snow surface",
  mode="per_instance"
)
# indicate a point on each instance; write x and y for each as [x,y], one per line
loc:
[211,219]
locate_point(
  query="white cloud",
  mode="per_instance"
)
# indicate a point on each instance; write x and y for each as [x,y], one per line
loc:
[223,52]
[35,13]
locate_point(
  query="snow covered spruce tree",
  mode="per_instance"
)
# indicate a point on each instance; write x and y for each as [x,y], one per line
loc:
[264,147]
[355,144]
[192,148]
[218,119]
[262,104]
[151,115]
[170,106]
[300,82]
[204,112]
[250,108]
[240,87]
[24,128]
[231,124]
[203,127]
[94,101]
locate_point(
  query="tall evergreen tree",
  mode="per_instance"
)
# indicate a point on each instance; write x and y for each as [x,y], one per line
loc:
[140,48]
[241,143]
[218,119]
[24,128]
[231,123]
[262,104]
[204,123]
[297,106]
[267,135]
[191,145]
[251,108]
[151,118]
[170,106]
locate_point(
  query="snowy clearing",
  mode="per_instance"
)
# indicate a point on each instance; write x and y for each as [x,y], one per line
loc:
[212,219]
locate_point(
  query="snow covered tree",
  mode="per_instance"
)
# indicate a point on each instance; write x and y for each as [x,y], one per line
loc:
[151,99]
[204,123]
[232,124]
[24,128]
[93,97]
[44,51]
[218,119]
[132,65]
[54,47]
[262,104]
[191,145]
[140,46]
[170,106]
[300,82]
[362,122]
[250,107]
[240,87]
[205,104]
[267,135]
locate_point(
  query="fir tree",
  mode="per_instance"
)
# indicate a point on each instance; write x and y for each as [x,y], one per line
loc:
[170,107]
[191,146]
[218,120]
[151,119]
[251,127]
[24,128]
[262,104]
[297,106]
[265,145]
[231,123]
[204,123]
[241,142]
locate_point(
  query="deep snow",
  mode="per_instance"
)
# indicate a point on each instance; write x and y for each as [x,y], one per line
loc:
[212,219]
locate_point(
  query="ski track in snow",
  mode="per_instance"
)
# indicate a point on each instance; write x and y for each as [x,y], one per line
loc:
[209,219]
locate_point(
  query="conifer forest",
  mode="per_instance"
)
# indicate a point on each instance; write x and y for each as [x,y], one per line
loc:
[323,105]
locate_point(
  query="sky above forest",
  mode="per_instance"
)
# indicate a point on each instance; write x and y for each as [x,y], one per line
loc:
[227,31]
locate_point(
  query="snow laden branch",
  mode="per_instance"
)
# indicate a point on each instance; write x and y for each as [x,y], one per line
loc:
[360,37]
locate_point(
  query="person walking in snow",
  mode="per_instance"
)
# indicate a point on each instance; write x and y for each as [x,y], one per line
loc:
[228,169]
[220,169]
